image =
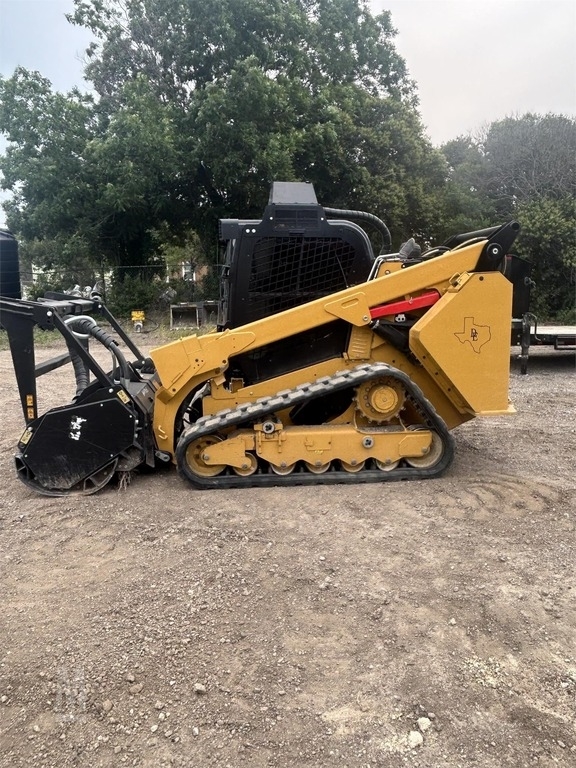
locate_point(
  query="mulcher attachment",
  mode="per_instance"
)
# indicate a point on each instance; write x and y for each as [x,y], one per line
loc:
[107,429]
[79,447]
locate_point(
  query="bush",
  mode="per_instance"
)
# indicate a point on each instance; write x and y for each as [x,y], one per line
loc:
[133,293]
[42,285]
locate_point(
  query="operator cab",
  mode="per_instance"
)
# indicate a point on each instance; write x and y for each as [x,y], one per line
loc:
[294,254]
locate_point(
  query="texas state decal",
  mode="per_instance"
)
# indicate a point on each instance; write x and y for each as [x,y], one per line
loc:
[474,334]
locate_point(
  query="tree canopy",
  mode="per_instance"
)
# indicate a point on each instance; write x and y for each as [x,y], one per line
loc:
[183,47]
[524,168]
[196,107]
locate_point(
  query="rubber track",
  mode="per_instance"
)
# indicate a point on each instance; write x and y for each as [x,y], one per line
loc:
[266,406]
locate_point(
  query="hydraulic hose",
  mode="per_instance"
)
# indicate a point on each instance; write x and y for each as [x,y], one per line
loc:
[81,369]
[83,327]
[368,218]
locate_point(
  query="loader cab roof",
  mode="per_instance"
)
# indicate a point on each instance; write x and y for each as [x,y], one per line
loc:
[292,193]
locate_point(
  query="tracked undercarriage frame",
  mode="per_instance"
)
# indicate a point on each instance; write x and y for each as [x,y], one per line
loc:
[261,451]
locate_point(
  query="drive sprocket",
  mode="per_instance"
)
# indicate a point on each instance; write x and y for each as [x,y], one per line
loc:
[381,399]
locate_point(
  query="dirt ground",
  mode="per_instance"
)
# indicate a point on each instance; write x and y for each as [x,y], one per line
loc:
[424,623]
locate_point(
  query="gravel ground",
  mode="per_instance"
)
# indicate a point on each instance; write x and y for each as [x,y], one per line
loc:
[425,623]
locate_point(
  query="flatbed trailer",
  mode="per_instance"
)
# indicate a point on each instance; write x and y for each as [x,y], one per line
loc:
[558,336]
[526,333]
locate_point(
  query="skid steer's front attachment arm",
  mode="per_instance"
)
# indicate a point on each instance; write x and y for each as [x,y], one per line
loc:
[56,311]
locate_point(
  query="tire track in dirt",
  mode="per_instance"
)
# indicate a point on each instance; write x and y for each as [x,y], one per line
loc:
[504,496]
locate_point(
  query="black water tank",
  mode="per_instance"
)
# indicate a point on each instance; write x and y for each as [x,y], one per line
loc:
[9,266]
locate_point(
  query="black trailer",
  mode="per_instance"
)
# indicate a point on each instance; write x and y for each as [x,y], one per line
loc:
[557,336]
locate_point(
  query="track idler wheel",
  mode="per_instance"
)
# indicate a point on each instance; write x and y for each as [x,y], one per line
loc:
[386,466]
[317,468]
[431,458]
[197,455]
[285,469]
[358,467]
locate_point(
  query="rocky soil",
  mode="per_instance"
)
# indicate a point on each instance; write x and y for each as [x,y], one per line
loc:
[424,623]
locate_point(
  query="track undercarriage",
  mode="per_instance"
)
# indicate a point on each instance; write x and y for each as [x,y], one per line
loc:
[387,430]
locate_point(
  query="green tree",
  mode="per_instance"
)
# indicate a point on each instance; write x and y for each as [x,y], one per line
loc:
[465,204]
[197,108]
[522,168]
[282,89]
[548,240]
[181,47]
[530,165]
[44,165]
[135,162]
[89,188]
[532,157]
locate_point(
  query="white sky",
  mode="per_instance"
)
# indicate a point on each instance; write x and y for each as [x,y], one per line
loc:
[474,61]
[477,61]
[36,35]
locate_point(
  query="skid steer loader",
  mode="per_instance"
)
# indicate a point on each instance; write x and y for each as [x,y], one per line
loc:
[363,383]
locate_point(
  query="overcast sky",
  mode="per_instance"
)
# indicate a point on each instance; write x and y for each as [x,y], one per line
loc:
[474,61]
